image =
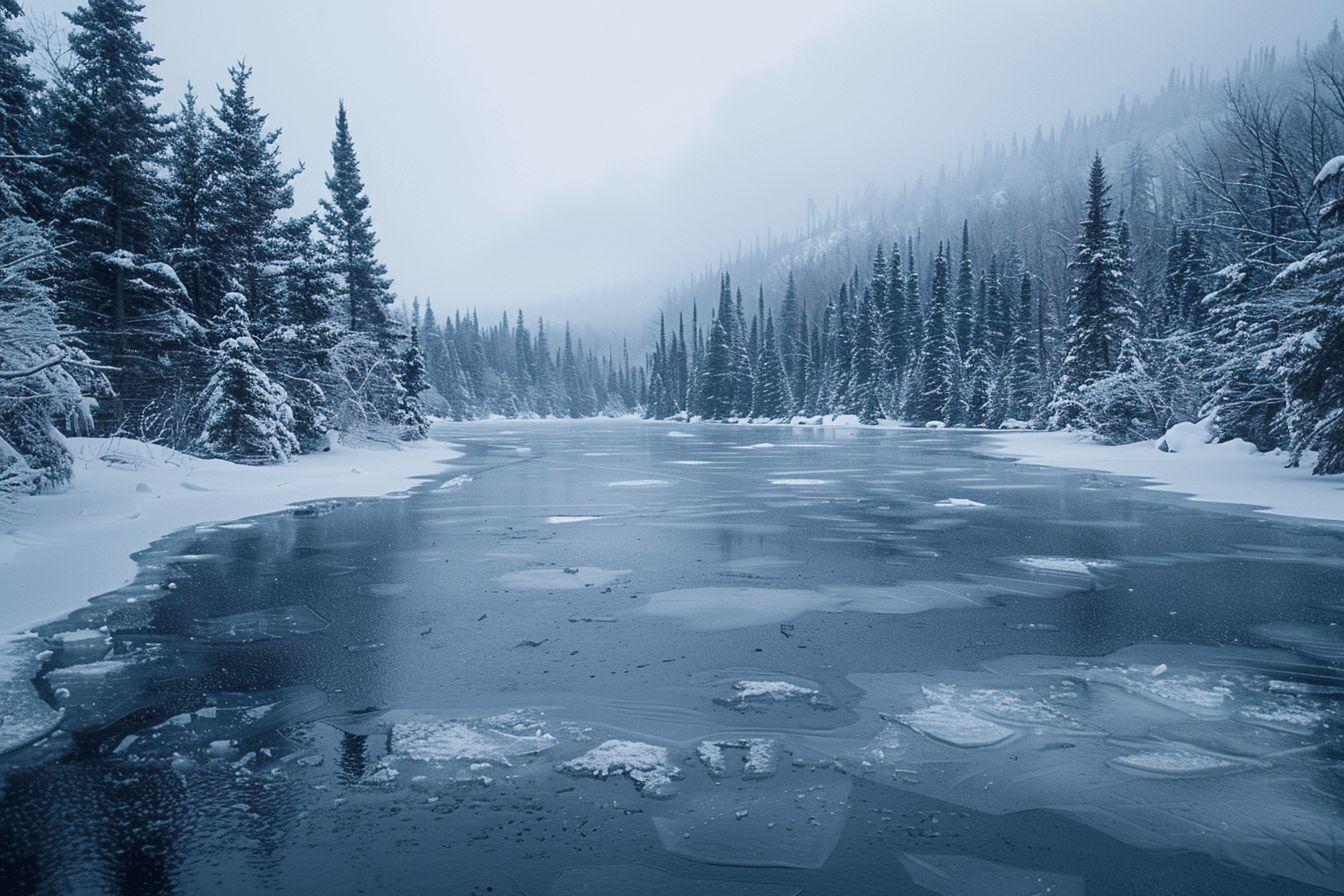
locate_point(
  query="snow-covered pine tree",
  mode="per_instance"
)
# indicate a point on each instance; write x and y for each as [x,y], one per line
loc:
[939,358]
[188,180]
[103,114]
[1101,307]
[720,382]
[774,397]
[350,241]
[247,417]
[246,191]
[966,311]
[1314,357]
[866,361]
[1022,382]
[414,423]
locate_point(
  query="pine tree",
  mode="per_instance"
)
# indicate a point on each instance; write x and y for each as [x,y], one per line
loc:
[414,423]
[104,117]
[866,362]
[350,241]
[966,310]
[939,357]
[1022,382]
[1315,374]
[245,194]
[188,181]
[720,380]
[246,417]
[1101,303]
[774,397]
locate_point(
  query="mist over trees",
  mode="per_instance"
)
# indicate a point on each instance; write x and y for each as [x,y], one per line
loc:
[1168,261]
[1175,259]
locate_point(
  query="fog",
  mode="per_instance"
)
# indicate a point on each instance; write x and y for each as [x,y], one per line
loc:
[577,158]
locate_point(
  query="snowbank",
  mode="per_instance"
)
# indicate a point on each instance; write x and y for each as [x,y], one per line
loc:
[57,551]
[1186,462]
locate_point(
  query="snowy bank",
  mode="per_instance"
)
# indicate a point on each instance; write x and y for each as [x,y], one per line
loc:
[57,551]
[1186,462]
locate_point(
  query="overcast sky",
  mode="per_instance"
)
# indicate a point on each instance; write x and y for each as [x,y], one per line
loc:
[543,153]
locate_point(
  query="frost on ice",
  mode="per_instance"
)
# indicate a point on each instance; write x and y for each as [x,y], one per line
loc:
[645,764]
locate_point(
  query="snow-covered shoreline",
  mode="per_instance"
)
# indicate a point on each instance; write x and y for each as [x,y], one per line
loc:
[1232,472]
[1222,473]
[57,551]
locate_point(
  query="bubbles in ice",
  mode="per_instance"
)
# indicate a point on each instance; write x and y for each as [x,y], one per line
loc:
[645,764]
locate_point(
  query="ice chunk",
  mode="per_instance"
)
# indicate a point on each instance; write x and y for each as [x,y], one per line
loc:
[959,875]
[958,502]
[674,434]
[749,693]
[955,725]
[472,740]
[259,625]
[561,520]
[24,716]
[456,482]
[760,756]
[1071,565]
[1175,760]
[722,608]
[645,764]
[553,578]
[637,483]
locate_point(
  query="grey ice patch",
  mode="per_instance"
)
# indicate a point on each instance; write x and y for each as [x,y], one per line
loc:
[555,578]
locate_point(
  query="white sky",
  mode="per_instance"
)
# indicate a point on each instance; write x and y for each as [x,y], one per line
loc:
[535,153]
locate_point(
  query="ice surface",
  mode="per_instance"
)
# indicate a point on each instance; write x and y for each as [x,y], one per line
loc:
[555,578]
[228,719]
[723,608]
[623,880]
[259,625]
[24,716]
[1322,642]
[961,875]
[637,483]
[1158,745]
[802,482]
[645,764]
[561,520]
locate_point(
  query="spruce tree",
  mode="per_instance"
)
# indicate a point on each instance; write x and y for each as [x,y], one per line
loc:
[246,192]
[720,379]
[774,397]
[188,181]
[246,416]
[104,118]
[939,358]
[350,242]
[414,423]
[1101,313]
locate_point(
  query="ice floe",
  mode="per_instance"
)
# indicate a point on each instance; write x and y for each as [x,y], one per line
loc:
[556,578]
[24,716]
[645,764]
[562,519]
[958,502]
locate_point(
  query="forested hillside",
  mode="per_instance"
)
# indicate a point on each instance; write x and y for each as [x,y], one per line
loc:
[1166,261]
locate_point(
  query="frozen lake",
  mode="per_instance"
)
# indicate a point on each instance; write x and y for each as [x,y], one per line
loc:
[616,657]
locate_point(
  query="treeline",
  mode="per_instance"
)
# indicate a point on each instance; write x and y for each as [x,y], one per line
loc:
[474,372]
[157,281]
[1211,287]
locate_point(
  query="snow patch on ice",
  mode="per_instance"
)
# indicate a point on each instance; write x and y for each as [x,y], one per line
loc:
[561,520]
[637,483]
[958,502]
[645,764]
